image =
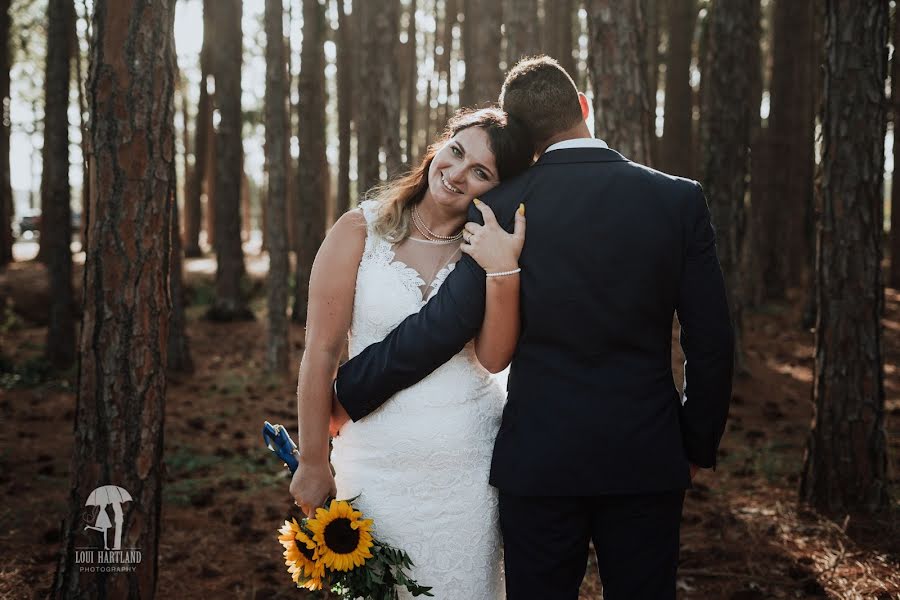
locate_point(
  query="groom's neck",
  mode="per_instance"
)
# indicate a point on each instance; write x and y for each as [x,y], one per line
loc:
[578,131]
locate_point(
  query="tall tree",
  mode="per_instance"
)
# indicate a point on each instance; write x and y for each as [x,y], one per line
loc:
[229,303]
[651,58]
[845,468]
[558,20]
[621,95]
[121,373]
[677,143]
[6,199]
[481,51]
[791,142]
[194,188]
[411,85]
[346,57]
[444,71]
[313,164]
[728,109]
[522,30]
[179,353]
[278,335]
[380,97]
[894,277]
[56,219]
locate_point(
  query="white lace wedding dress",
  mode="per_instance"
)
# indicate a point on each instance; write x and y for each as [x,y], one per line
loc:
[421,461]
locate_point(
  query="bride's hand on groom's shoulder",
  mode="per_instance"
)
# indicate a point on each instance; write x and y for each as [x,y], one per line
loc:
[490,245]
[312,484]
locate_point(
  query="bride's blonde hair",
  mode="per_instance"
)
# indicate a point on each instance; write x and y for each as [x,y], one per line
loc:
[509,140]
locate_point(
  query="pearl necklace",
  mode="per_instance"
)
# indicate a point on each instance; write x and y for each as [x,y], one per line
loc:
[427,233]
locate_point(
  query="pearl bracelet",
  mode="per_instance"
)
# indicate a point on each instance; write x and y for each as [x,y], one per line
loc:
[503,273]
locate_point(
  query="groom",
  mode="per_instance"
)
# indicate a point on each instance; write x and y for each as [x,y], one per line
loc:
[596,443]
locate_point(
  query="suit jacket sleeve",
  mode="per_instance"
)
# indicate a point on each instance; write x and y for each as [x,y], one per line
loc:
[707,339]
[420,344]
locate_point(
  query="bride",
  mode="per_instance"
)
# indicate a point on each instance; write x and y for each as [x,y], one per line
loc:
[421,462]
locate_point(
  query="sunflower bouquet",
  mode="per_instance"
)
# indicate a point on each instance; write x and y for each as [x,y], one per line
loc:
[336,552]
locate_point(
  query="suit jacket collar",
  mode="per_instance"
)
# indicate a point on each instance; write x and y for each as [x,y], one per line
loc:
[579,155]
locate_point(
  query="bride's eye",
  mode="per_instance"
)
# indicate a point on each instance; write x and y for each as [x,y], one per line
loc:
[456,151]
[481,174]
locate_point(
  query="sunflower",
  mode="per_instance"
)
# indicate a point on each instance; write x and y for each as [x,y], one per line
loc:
[301,556]
[343,538]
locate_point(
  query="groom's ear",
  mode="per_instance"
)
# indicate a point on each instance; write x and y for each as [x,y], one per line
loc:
[585,106]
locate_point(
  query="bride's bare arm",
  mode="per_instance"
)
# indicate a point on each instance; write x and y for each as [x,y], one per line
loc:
[497,252]
[496,342]
[332,285]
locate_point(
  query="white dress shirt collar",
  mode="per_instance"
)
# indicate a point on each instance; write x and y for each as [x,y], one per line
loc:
[577,143]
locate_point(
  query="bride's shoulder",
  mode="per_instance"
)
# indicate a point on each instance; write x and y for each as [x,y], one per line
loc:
[350,226]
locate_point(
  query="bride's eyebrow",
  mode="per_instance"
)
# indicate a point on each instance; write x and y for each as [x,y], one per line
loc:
[463,150]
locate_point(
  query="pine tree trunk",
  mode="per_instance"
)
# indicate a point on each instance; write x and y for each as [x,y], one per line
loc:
[522,32]
[6,199]
[558,26]
[894,273]
[56,219]
[445,72]
[313,165]
[278,335]
[345,60]
[179,353]
[846,462]
[412,75]
[651,58]
[229,303]
[121,372]
[791,134]
[621,96]
[192,200]
[728,110]
[481,51]
[677,142]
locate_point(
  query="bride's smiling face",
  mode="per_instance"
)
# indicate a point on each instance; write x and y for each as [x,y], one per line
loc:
[463,169]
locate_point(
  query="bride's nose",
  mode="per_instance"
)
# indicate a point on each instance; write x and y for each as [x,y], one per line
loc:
[456,174]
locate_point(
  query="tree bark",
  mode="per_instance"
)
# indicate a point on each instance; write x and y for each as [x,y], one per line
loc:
[412,70]
[380,97]
[845,468]
[728,110]
[522,31]
[179,353]
[278,335]
[791,136]
[193,201]
[313,165]
[56,218]
[894,273]
[6,198]
[345,59]
[121,372]
[621,95]
[677,142]
[558,26]
[444,70]
[481,51]
[651,59]
[229,303]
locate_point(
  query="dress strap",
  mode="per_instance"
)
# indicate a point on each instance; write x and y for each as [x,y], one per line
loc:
[370,209]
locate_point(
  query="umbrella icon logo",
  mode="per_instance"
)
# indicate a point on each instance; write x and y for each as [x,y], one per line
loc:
[103,496]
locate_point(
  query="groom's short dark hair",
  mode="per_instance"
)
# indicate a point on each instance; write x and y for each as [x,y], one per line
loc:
[539,92]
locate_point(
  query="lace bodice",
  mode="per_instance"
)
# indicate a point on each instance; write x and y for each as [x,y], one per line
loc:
[421,461]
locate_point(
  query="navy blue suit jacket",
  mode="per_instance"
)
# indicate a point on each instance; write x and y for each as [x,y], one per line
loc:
[613,250]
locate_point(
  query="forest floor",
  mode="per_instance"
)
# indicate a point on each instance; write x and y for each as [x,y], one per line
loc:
[744,535]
